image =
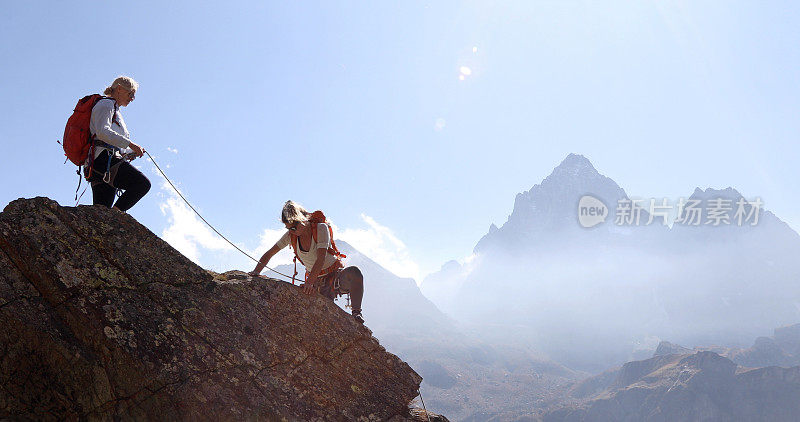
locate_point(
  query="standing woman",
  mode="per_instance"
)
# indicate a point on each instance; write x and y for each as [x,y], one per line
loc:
[311,238]
[109,171]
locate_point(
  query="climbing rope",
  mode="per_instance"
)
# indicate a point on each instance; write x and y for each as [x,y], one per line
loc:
[427,415]
[204,220]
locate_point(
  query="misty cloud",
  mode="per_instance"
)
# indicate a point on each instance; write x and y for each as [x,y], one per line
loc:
[380,243]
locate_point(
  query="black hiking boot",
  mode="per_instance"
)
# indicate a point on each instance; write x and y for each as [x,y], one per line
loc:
[357,316]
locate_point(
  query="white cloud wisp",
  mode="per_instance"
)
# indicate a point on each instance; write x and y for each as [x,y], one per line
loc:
[193,238]
[379,243]
[187,233]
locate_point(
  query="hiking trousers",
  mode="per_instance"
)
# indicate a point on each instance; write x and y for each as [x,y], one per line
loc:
[124,176]
[344,281]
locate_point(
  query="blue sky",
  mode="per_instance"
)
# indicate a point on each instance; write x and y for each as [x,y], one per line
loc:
[360,109]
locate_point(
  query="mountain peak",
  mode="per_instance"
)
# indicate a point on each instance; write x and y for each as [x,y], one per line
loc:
[711,193]
[575,164]
[551,205]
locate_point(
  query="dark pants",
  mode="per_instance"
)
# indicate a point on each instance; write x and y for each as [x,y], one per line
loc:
[124,176]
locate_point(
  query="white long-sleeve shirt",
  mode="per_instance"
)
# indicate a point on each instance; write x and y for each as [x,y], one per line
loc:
[107,125]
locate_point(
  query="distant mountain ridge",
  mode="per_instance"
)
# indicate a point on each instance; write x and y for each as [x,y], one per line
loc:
[767,225]
[780,349]
[545,274]
[698,386]
[761,383]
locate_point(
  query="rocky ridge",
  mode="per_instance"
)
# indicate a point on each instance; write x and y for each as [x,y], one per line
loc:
[686,387]
[781,349]
[104,320]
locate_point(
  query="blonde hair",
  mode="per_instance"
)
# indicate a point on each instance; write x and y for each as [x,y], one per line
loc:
[124,81]
[293,213]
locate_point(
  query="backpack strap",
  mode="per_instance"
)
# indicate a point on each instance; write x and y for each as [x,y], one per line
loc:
[114,116]
[317,217]
[94,141]
[333,249]
[295,242]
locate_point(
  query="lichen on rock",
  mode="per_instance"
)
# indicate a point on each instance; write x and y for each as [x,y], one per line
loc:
[105,320]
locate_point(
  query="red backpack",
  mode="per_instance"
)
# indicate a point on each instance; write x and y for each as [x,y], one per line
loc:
[77,139]
[316,218]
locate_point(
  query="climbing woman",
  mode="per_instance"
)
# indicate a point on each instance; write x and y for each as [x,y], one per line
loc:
[311,238]
[109,170]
